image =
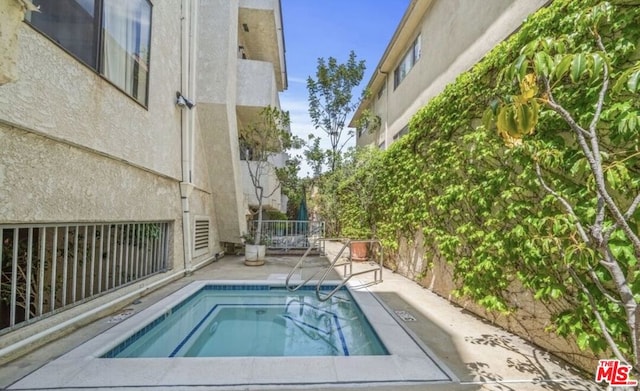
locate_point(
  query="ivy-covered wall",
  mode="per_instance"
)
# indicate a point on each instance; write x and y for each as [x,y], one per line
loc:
[464,212]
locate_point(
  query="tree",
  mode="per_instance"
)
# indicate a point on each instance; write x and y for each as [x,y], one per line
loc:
[358,192]
[331,99]
[574,81]
[314,155]
[260,141]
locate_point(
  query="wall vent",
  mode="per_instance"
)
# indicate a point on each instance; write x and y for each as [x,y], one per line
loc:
[201,236]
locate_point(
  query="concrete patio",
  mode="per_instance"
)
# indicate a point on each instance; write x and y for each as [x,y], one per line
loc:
[479,355]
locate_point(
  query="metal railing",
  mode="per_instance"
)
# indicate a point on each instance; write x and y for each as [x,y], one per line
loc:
[291,234]
[49,267]
[375,252]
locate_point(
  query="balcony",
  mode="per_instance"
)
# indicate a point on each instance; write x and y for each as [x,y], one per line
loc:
[256,84]
[260,35]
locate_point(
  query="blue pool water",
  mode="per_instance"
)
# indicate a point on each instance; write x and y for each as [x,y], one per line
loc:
[250,320]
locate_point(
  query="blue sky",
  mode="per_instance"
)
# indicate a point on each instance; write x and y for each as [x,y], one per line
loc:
[331,28]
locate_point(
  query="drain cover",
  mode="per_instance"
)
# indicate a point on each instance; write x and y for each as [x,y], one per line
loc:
[121,316]
[404,315]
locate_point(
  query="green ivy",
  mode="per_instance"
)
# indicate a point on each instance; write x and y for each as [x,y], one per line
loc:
[479,202]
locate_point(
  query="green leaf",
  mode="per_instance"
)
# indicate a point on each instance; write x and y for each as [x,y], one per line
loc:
[632,82]
[520,66]
[578,66]
[488,119]
[527,118]
[612,178]
[597,65]
[563,66]
[541,62]
[583,340]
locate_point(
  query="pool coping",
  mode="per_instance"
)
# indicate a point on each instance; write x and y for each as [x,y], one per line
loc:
[409,361]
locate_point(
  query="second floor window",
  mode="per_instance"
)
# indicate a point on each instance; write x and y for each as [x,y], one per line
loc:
[111,36]
[408,61]
[401,133]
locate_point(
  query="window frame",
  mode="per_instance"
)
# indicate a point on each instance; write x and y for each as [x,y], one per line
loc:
[98,47]
[411,55]
[402,132]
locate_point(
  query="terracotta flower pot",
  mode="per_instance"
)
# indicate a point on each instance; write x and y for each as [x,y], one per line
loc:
[359,251]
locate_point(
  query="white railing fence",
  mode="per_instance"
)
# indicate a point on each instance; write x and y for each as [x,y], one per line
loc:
[47,267]
[291,234]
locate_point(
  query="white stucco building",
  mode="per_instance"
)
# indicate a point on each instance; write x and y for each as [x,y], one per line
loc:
[435,41]
[119,146]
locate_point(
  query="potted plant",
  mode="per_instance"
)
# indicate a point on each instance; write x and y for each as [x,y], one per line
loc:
[359,245]
[254,251]
[260,142]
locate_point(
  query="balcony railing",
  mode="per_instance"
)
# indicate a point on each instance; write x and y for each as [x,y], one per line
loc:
[291,234]
[49,267]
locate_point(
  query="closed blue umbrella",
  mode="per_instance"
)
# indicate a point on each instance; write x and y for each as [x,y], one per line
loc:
[303,215]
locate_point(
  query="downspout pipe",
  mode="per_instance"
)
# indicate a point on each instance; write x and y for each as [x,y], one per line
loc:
[386,106]
[186,187]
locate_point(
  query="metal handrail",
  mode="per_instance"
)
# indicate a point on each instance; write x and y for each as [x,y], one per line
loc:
[348,276]
[334,264]
[301,261]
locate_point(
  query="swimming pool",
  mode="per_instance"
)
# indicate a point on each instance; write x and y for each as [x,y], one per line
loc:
[407,360]
[254,321]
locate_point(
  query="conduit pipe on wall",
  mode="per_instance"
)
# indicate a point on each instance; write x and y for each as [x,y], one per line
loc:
[187,122]
[386,107]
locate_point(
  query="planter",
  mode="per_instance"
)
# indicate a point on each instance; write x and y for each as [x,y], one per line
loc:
[359,251]
[254,254]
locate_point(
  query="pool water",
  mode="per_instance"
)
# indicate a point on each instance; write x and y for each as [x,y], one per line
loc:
[252,321]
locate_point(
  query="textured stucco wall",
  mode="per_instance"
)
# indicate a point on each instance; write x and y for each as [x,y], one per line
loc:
[456,34]
[11,14]
[217,51]
[75,148]
[256,84]
[217,93]
[42,180]
[57,95]
[201,206]
[220,136]
[259,4]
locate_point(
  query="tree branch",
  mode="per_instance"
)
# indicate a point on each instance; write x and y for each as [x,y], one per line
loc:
[596,167]
[601,288]
[603,327]
[626,295]
[633,207]
[565,203]
[563,112]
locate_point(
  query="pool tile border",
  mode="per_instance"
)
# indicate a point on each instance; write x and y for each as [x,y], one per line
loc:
[409,362]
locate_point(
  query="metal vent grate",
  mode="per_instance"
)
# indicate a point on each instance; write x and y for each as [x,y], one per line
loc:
[201,236]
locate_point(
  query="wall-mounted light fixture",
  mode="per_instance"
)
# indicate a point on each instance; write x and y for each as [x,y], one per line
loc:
[183,101]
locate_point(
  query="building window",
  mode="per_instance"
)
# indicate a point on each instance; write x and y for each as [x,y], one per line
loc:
[408,61]
[111,36]
[401,133]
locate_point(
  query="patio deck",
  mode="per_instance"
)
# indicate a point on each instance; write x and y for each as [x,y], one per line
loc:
[480,355]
